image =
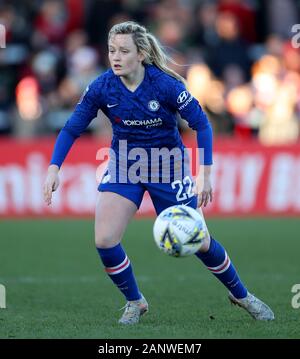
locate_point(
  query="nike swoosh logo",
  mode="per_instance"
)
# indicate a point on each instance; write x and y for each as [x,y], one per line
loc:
[113,105]
[185,204]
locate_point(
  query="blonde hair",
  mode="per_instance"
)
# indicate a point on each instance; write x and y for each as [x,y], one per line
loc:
[146,44]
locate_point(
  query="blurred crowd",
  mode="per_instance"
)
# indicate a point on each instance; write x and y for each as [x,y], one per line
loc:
[237,55]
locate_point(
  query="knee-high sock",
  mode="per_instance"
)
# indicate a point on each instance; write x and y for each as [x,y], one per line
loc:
[117,266]
[218,262]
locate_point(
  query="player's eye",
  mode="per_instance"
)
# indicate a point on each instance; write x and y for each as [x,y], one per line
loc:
[125,51]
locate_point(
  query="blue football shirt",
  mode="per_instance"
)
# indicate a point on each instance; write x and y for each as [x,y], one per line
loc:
[145,118]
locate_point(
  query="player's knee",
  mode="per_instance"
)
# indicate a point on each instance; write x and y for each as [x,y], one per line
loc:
[105,241]
[205,245]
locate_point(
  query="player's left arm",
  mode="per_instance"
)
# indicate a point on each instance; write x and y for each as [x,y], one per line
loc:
[190,110]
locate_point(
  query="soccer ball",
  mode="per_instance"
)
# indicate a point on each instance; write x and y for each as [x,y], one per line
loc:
[179,231]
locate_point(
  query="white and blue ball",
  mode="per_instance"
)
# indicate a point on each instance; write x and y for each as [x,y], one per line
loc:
[179,231]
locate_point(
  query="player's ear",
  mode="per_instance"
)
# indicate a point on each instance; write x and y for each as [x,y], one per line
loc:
[141,56]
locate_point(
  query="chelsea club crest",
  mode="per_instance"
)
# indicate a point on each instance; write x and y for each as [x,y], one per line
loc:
[153,105]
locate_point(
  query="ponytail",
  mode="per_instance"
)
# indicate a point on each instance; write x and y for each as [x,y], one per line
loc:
[159,58]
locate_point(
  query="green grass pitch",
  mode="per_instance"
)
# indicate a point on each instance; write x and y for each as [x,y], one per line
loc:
[56,286]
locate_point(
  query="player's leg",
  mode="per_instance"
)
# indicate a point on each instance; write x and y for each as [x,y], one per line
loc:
[216,259]
[113,213]
[212,253]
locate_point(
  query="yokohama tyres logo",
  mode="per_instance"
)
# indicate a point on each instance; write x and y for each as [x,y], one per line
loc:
[148,123]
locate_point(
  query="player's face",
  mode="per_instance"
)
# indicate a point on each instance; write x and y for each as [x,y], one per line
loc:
[123,55]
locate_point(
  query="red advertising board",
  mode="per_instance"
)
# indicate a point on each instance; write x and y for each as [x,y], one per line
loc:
[248,179]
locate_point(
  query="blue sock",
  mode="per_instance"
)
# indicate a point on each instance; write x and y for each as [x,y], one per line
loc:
[218,262]
[118,267]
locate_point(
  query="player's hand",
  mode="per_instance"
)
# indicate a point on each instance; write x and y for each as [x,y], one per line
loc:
[203,190]
[51,183]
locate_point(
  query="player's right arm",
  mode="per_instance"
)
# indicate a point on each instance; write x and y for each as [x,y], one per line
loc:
[85,111]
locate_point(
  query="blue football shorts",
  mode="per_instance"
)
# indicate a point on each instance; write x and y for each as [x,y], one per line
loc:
[163,195]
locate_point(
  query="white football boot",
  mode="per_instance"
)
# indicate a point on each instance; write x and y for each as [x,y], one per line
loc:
[133,311]
[254,306]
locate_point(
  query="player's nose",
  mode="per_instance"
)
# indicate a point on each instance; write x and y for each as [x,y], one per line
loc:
[116,57]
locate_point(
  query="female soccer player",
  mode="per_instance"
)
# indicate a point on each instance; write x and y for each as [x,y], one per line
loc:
[141,96]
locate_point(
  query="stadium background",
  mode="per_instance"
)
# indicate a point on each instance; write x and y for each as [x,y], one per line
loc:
[242,62]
